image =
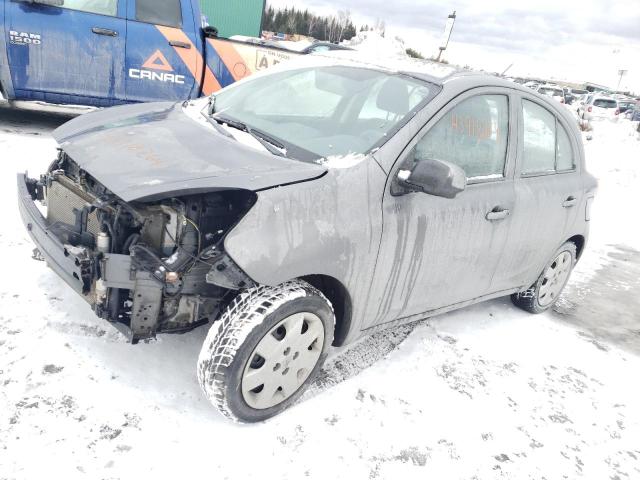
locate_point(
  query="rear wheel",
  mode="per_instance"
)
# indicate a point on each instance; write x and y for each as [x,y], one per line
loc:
[264,351]
[543,294]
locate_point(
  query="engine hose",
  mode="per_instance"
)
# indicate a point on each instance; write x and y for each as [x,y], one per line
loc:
[130,242]
[187,249]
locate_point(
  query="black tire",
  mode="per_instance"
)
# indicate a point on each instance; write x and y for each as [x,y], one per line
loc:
[529,299]
[233,338]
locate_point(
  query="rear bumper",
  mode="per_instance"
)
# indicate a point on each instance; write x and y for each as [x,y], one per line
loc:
[72,264]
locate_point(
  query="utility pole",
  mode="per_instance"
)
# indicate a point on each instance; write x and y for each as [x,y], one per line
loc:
[622,73]
[451,20]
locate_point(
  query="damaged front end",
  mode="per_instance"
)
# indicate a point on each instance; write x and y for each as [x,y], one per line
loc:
[147,267]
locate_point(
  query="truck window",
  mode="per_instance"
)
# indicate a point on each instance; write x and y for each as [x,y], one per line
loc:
[165,12]
[102,7]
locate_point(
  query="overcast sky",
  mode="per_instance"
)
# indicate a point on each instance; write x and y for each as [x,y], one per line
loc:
[576,40]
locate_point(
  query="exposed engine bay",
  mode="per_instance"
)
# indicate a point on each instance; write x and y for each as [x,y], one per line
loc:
[147,267]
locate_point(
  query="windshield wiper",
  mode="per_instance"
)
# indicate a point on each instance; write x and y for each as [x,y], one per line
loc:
[217,126]
[271,144]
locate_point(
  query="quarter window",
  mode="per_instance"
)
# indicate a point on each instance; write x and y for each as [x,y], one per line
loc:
[472,135]
[102,7]
[163,12]
[547,147]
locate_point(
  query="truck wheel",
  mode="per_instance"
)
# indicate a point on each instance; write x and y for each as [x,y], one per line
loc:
[545,292]
[266,348]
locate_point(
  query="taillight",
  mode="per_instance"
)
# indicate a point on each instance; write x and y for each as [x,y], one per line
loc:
[617,111]
[589,109]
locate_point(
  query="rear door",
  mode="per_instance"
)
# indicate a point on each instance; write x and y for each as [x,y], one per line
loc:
[69,54]
[163,59]
[548,188]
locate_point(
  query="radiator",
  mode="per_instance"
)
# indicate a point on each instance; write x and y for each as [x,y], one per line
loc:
[63,196]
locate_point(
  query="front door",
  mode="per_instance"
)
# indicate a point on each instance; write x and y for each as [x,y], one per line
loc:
[69,54]
[436,252]
[163,60]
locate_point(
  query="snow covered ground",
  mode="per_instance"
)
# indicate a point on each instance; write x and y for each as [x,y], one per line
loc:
[486,392]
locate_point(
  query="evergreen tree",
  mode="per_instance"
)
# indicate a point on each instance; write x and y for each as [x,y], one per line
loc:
[302,22]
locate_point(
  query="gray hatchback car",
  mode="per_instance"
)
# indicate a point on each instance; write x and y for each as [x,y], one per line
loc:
[308,206]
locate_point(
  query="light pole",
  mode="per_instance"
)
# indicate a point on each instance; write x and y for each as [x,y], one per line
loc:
[622,73]
[451,20]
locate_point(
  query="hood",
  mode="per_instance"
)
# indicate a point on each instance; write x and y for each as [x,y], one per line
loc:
[154,150]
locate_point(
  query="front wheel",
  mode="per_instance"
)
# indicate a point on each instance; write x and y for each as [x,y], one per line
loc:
[266,348]
[543,294]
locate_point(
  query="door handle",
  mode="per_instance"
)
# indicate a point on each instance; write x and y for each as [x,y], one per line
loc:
[104,31]
[570,202]
[498,214]
[176,43]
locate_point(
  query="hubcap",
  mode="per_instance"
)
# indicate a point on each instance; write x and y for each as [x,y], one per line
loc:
[554,279]
[283,360]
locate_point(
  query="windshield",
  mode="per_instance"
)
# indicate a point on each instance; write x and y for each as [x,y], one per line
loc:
[326,111]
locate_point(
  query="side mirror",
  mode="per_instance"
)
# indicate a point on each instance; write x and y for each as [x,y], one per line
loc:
[210,32]
[435,177]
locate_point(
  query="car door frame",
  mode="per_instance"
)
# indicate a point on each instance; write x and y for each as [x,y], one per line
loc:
[398,152]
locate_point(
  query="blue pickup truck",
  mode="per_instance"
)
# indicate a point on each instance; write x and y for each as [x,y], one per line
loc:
[108,52]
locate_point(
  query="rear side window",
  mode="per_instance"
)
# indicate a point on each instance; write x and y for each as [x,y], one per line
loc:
[564,153]
[102,7]
[472,135]
[605,103]
[163,12]
[547,147]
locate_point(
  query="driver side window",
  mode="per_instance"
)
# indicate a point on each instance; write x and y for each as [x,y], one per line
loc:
[102,7]
[472,135]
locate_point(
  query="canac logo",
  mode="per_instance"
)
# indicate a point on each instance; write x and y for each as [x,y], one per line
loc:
[156,68]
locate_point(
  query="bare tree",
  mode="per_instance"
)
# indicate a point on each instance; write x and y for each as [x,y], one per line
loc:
[313,20]
[344,16]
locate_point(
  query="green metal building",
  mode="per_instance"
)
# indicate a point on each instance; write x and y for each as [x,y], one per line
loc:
[235,17]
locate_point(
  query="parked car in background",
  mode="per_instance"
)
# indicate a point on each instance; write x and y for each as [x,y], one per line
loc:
[633,112]
[532,85]
[579,101]
[578,92]
[624,105]
[310,206]
[302,47]
[553,91]
[598,107]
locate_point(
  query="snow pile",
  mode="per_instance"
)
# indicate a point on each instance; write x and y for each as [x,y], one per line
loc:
[373,43]
[390,53]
